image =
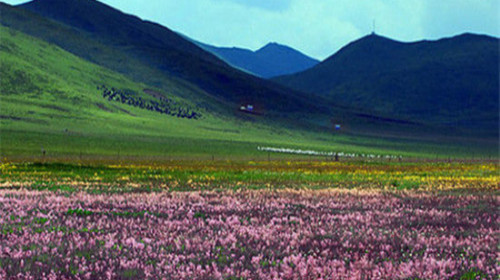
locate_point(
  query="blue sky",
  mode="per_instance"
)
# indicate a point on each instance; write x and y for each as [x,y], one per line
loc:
[316,27]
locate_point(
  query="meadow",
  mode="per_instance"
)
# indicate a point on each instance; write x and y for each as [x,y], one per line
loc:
[250,220]
[98,185]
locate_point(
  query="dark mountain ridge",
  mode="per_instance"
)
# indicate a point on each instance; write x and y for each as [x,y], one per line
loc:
[269,61]
[452,81]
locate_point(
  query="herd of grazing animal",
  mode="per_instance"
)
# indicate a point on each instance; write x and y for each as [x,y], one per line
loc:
[161,105]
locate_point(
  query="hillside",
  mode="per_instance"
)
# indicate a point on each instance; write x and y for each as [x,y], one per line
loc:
[269,61]
[53,100]
[50,102]
[149,53]
[450,82]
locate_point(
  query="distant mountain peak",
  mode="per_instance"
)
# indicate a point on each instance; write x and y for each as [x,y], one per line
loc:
[275,46]
[271,60]
[374,37]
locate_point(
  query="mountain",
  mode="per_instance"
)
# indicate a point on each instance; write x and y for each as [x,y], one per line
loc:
[149,53]
[50,102]
[449,82]
[270,61]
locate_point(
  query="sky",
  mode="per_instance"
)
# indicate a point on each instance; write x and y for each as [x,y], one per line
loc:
[317,28]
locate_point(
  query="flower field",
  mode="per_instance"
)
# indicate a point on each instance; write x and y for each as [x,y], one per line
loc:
[201,176]
[74,222]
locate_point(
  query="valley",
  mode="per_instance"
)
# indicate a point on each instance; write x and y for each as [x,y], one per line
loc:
[130,151]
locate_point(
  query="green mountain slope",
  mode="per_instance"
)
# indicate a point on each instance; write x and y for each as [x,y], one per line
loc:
[84,46]
[451,82]
[162,50]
